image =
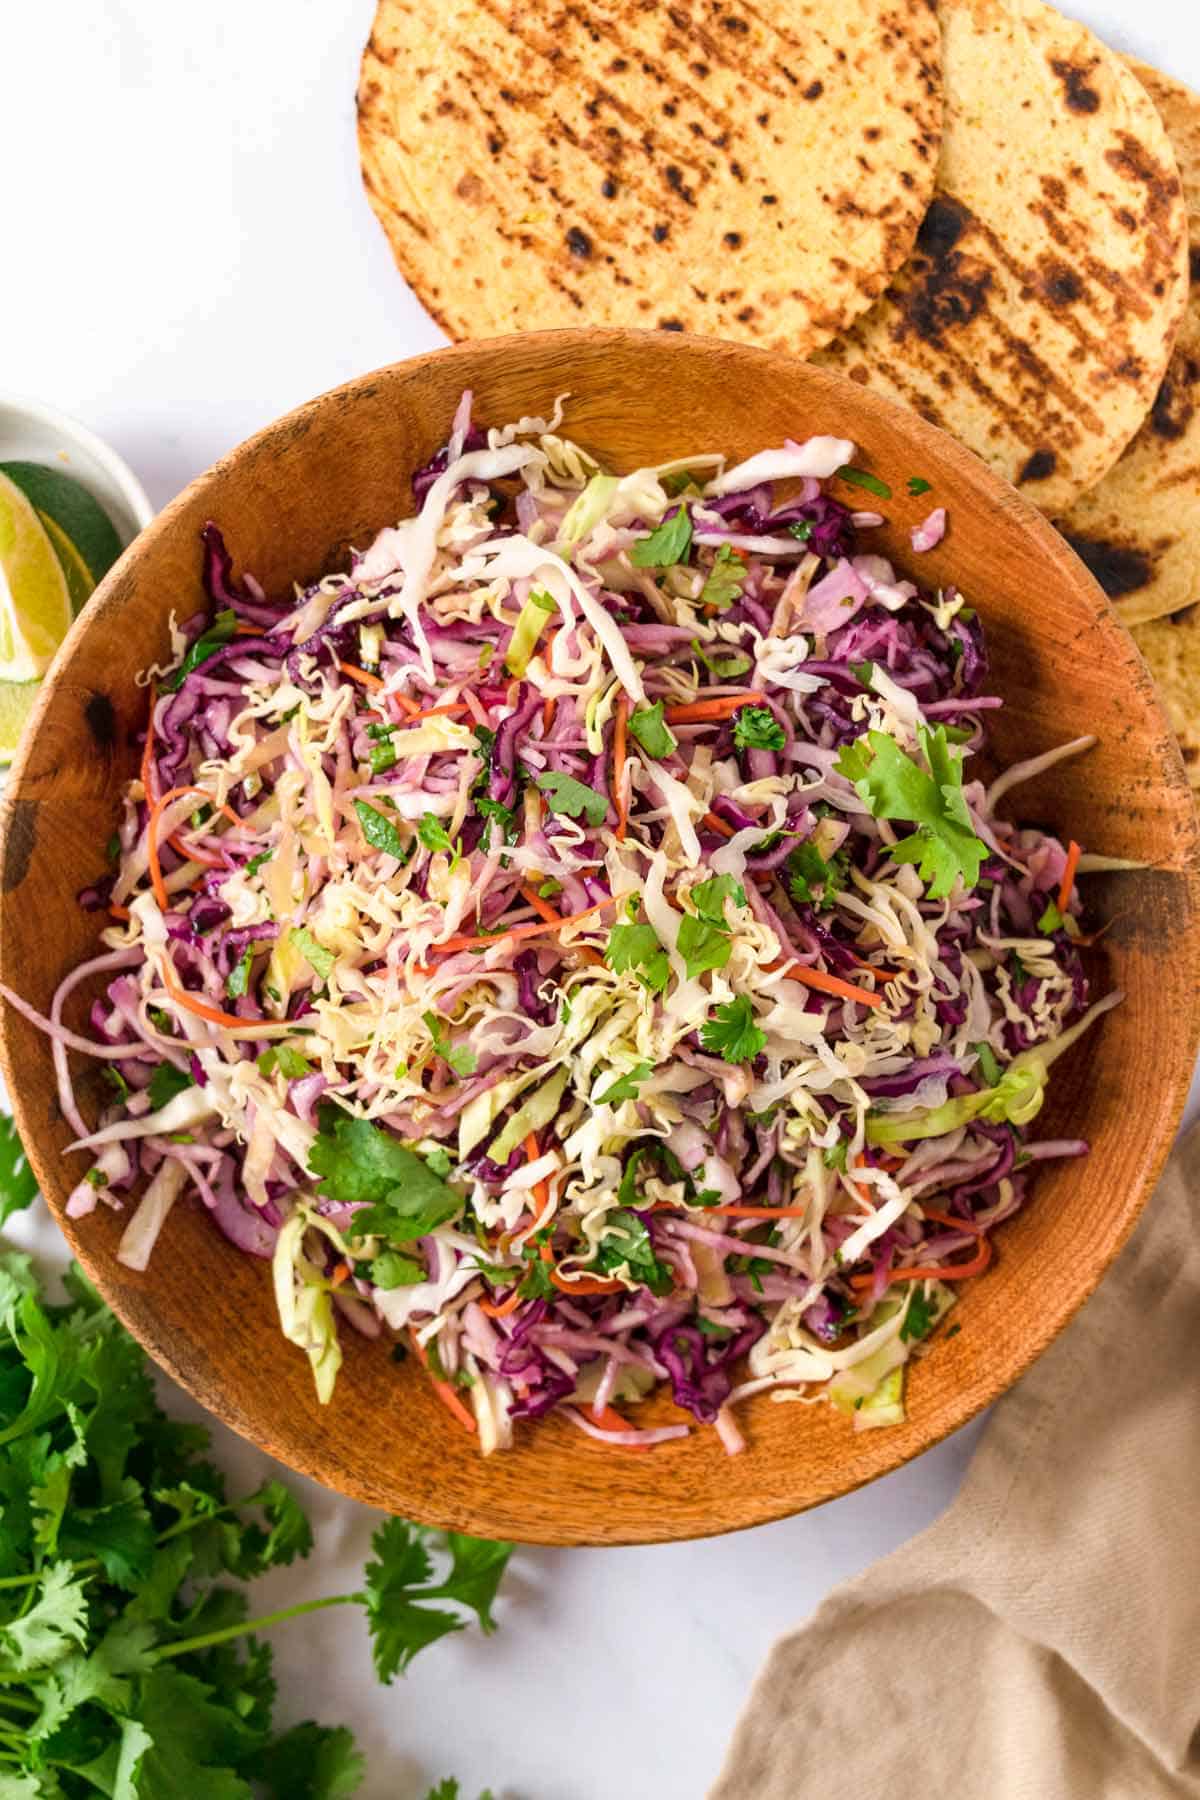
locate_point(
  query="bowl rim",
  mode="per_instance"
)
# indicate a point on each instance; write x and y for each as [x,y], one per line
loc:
[72,431]
[966,1403]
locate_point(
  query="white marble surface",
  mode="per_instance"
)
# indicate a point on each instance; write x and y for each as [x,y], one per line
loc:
[188,253]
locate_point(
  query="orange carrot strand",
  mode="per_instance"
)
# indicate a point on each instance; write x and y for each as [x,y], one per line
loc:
[362,676]
[824,983]
[699,712]
[442,1389]
[1068,880]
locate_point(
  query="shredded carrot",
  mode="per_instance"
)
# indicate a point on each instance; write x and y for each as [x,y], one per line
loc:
[620,805]
[410,707]
[148,753]
[438,712]
[501,1309]
[1068,880]
[951,1223]
[245,630]
[757,1212]
[340,1274]
[530,1147]
[549,708]
[585,1284]
[541,907]
[213,1014]
[521,931]
[717,824]
[827,984]
[609,1419]
[156,812]
[120,912]
[363,678]
[442,1389]
[947,1272]
[699,711]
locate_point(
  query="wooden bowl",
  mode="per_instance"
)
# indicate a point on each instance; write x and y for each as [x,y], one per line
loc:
[290,501]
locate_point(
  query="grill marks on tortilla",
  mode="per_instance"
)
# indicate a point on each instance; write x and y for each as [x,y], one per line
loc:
[1138,530]
[1035,315]
[735,168]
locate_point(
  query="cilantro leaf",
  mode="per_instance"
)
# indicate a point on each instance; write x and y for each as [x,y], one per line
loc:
[725,580]
[894,786]
[381,757]
[309,1762]
[400,1584]
[319,959]
[757,728]
[647,726]
[57,1619]
[290,1533]
[380,833]
[814,881]
[18,1183]
[361,1162]
[391,1270]
[499,817]
[709,897]
[627,1244]
[835,1157]
[574,798]
[287,1060]
[917,484]
[1052,919]
[460,1059]
[626,1087]
[731,1032]
[637,947]
[920,1318]
[725,668]
[165,1083]
[989,1069]
[801,530]
[222,631]
[667,545]
[861,478]
[433,834]
[703,946]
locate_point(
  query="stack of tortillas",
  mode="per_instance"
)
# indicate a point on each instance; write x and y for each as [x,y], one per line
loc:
[976,210]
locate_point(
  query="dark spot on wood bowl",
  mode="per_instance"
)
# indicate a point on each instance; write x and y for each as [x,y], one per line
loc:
[19,843]
[101,720]
[1080,96]
[1038,467]
[1119,568]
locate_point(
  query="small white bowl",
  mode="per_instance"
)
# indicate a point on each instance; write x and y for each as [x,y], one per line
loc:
[31,432]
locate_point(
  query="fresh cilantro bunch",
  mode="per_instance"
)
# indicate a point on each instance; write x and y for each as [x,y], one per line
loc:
[893,785]
[129,1664]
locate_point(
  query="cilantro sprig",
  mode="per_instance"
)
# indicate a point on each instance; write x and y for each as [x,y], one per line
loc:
[574,798]
[667,545]
[129,1662]
[894,785]
[732,1033]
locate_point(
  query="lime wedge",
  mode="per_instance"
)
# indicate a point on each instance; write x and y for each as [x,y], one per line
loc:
[35,606]
[79,577]
[16,704]
[73,510]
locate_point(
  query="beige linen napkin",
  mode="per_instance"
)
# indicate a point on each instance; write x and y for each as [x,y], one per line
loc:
[1041,1641]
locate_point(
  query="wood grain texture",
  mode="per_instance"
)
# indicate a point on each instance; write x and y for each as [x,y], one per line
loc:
[331,474]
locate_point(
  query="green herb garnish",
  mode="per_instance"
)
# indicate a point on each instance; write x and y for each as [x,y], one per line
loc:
[861,478]
[667,545]
[647,726]
[895,786]
[574,798]
[732,1033]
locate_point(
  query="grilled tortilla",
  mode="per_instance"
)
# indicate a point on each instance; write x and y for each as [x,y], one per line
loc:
[1171,647]
[708,165]
[1139,530]
[1036,316]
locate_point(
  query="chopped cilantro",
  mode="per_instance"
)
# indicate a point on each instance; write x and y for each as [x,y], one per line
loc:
[989,1068]
[731,1032]
[1052,919]
[222,631]
[647,726]
[920,1318]
[626,1243]
[165,1083]
[801,530]
[256,862]
[626,1087]
[835,1156]
[757,728]
[725,580]
[811,879]
[667,545]
[637,947]
[895,786]
[239,978]
[725,668]
[574,798]
[382,758]
[357,1161]
[433,834]
[703,946]
[392,1270]
[861,478]
[460,1059]
[678,482]
[917,484]
[709,897]
[287,1060]
[318,958]
[380,833]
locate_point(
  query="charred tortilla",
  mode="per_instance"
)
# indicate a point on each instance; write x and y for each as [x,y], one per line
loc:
[756,172]
[1139,530]
[1036,316]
